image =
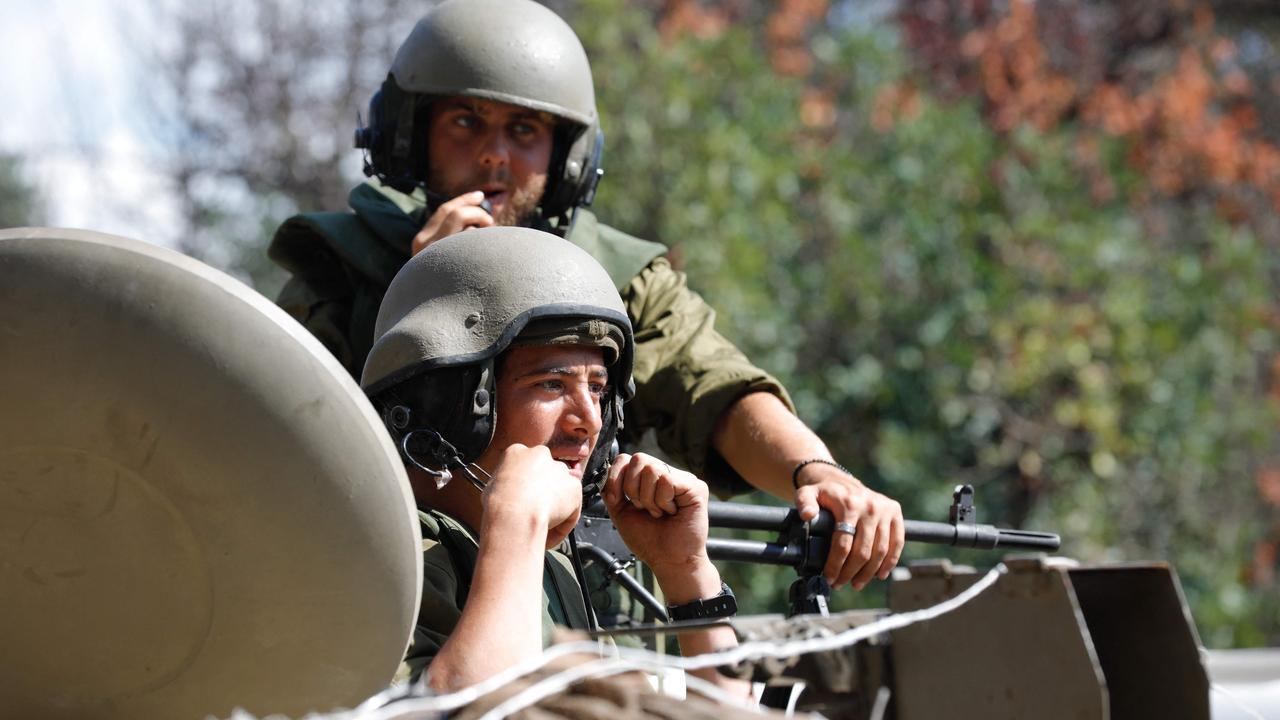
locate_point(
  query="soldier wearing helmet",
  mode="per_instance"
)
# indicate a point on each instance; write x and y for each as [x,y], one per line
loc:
[502,361]
[488,117]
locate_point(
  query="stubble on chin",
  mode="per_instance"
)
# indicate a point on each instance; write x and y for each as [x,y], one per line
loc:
[522,208]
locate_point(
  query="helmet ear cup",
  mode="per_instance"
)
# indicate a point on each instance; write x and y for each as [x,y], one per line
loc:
[368,138]
[395,140]
[577,171]
[443,400]
[592,171]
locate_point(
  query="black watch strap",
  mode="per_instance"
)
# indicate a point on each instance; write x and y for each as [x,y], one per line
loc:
[721,606]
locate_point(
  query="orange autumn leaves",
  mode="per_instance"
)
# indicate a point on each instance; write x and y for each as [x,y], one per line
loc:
[1189,123]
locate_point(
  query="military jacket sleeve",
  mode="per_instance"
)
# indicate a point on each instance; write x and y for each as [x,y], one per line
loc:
[438,612]
[687,374]
[449,552]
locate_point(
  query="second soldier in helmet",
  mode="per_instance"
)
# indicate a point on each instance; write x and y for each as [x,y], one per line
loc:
[500,368]
[488,117]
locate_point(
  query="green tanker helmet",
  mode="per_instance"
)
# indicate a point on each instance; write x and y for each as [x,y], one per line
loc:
[456,306]
[511,51]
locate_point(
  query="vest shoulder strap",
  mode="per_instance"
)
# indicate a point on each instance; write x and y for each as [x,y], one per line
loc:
[307,245]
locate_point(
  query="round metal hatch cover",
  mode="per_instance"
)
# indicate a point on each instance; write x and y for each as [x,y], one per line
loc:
[199,511]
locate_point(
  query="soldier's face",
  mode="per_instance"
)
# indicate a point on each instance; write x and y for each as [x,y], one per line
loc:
[550,395]
[501,149]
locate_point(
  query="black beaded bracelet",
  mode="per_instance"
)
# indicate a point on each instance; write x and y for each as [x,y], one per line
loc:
[795,474]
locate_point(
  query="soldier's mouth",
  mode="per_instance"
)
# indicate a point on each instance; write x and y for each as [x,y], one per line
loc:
[495,196]
[575,464]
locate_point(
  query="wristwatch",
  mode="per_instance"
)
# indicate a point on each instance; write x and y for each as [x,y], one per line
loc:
[721,606]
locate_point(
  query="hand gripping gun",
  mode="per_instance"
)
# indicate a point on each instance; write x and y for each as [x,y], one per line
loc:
[801,545]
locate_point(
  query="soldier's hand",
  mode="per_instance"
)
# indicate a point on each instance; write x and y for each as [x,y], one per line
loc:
[453,216]
[528,484]
[661,512]
[875,546]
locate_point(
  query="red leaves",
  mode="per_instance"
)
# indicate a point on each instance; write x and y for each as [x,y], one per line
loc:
[1173,90]
[787,35]
[689,17]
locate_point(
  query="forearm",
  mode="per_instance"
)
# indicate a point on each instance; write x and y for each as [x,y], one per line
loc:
[699,582]
[501,624]
[764,442]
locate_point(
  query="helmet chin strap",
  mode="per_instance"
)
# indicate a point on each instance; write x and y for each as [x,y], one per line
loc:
[469,471]
[446,455]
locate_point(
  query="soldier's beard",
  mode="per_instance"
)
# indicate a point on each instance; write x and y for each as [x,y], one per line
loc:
[521,207]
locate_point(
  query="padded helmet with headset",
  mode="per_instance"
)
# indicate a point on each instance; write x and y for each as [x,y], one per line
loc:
[455,307]
[512,51]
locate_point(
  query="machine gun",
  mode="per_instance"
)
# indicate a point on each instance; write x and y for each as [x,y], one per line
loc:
[800,545]
[1051,639]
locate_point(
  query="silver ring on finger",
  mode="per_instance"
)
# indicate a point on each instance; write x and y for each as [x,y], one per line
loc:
[845,527]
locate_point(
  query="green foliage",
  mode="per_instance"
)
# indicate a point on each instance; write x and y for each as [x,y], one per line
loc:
[952,305]
[19,203]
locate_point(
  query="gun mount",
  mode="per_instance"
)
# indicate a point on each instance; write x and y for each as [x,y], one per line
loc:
[1049,639]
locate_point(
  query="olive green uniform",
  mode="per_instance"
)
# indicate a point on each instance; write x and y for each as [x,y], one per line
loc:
[686,373]
[449,550]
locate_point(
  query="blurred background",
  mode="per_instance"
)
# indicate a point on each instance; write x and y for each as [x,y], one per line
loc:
[1030,246]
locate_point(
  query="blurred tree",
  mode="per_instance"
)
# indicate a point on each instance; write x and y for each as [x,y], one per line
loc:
[1193,102]
[255,104]
[952,296]
[19,203]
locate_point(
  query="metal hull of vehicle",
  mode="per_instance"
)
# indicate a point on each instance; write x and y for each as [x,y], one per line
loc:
[198,509]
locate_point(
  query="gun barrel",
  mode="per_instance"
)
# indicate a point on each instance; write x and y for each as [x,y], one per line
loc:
[1028,540]
[761,517]
[987,537]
